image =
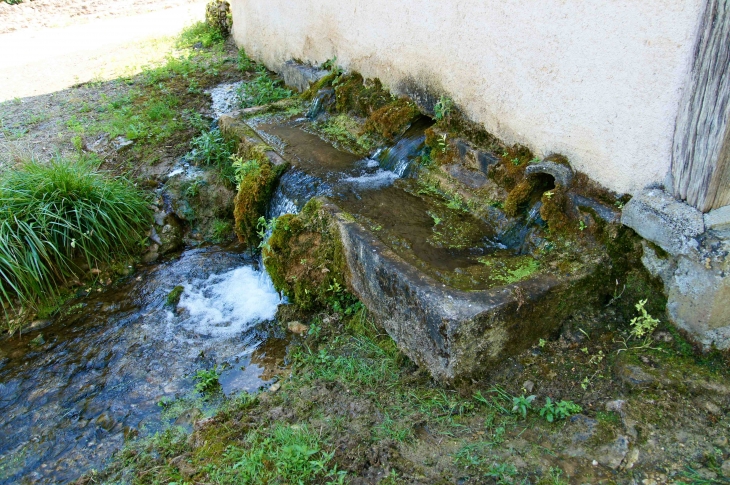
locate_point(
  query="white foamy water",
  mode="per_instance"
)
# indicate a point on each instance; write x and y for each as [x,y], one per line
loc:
[224,97]
[227,304]
[381,178]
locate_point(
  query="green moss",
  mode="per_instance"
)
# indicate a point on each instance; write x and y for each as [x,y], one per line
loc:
[358,97]
[326,81]
[519,196]
[511,270]
[558,211]
[393,119]
[346,132]
[305,258]
[255,187]
[173,298]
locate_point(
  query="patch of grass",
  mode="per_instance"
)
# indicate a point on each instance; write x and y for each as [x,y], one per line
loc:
[262,90]
[53,213]
[221,231]
[206,380]
[345,131]
[280,454]
[212,149]
[200,33]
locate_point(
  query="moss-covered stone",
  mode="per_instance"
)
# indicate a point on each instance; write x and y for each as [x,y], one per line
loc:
[255,188]
[393,119]
[359,97]
[558,210]
[305,258]
[519,196]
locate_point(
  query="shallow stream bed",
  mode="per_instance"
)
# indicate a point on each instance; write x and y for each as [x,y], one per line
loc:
[66,405]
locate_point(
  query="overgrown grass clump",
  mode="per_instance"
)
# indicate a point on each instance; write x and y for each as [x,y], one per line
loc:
[56,215]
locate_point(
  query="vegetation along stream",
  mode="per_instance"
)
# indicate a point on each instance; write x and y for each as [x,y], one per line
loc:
[339,286]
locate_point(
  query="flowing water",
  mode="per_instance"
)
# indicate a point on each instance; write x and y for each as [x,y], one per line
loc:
[98,379]
[68,404]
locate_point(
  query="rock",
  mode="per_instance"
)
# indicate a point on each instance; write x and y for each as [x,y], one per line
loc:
[632,457]
[475,158]
[38,341]
[297,327]
[300,76]
[39,324]
[159,218]
[454,334]
[710,407]
[466,176]
[608,214]
[151,255]
[633,375]
[121,142]
[617,406]
[613,455]
[721,441]
[275,387]
[154,237]
[718,220]
[528,386]
[667,222]
[189,417]
[562,174]
[170,236]
[725,468]
[697,285]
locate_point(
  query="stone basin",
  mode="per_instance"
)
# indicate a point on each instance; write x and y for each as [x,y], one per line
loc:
[445,303]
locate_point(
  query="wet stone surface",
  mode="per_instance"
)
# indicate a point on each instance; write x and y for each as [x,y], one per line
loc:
[70,402]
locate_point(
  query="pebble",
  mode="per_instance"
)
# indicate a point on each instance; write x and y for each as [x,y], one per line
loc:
[528,386]
[275,387]
[297,327]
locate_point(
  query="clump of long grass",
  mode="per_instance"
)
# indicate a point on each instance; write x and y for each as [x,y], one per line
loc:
[55,214]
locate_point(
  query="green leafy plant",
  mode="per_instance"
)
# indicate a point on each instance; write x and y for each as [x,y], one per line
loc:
[262,90]
[643,325]
[443,145]
[211,148]
[51,214]
[442,108]
[342,301]
[244,62]
[561,410]
[521,404]
[206,380]
[503,473]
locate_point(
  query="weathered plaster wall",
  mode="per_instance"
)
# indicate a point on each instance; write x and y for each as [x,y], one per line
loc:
[598,81]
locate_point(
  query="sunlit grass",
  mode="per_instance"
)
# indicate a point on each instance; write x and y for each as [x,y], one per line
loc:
[53,214]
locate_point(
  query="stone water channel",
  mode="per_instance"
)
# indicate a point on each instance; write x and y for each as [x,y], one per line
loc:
[98,379]
[103,371]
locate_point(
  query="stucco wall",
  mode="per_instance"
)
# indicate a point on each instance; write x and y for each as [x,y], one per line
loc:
[599,81]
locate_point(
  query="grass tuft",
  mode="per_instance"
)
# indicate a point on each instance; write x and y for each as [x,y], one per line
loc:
[53,214]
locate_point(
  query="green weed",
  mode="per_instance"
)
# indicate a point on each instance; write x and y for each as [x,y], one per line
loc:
[52,213]
[556,411]
[522,404]
[202,33]
[206,380]
[442,108]
[262,90]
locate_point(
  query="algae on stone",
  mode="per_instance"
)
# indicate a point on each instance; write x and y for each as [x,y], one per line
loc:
[305,258]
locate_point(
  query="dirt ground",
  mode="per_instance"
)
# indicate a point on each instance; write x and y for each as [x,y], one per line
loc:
[123,37]
[41,14]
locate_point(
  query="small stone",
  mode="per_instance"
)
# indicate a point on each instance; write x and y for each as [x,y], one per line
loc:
[528,386]
[613,455]
[663,337]
[649,481]
[38,341]
[616,406]
[275,387]
[297,327]
[725,468]
[631,458]
[711,407]
[39,324]
[720,441]
[594,463]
